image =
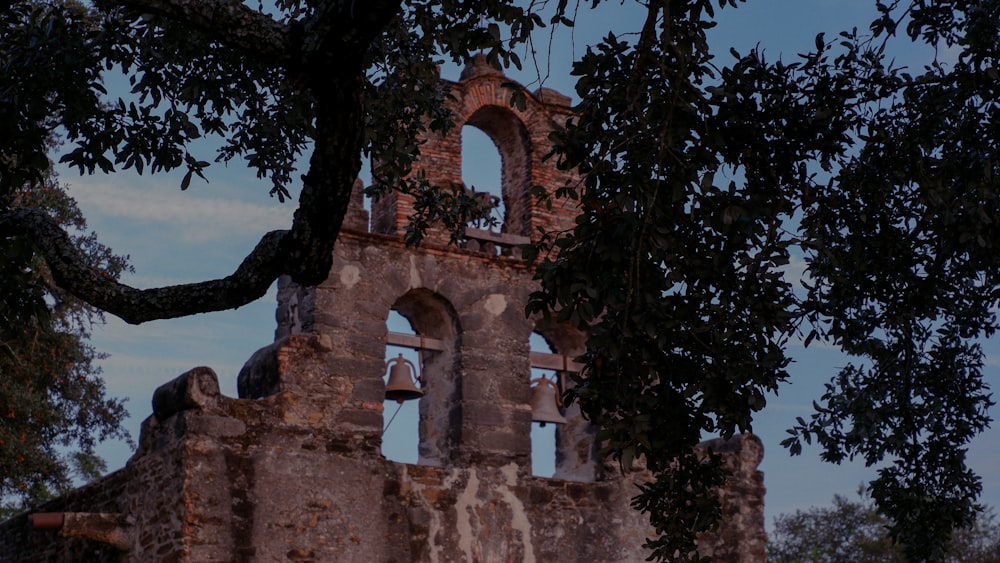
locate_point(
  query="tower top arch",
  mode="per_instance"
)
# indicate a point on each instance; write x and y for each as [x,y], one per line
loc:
[483,98]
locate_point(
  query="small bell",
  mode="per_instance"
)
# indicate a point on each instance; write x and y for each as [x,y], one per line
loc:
[402,381]
[545,403]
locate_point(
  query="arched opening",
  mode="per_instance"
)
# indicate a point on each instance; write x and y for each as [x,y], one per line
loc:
[400,435]
[510,139]
[572,443]
[424,328]
[481,173]
[543,436]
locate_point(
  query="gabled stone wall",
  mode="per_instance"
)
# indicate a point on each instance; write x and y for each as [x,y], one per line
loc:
[521,135]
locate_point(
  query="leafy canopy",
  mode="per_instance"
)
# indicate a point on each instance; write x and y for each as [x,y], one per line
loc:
[703,177]
[53,406]
[853,531]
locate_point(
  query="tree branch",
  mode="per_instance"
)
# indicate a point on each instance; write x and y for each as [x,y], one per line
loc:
[229,21]
[335,42]
[349,24]
[331,46]
[71,271]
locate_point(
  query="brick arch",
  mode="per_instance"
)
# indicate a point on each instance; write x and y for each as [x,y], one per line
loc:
[510,135]
[433,316]
[562,337]
[482,99]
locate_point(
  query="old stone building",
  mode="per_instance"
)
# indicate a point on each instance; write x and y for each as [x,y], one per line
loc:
[293,470]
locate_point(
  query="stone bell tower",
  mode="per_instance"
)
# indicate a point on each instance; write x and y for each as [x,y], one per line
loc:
[466,303]
[471,495]
[292,470]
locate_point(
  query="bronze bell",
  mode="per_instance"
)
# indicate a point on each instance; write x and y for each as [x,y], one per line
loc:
[402,381]
[545,403]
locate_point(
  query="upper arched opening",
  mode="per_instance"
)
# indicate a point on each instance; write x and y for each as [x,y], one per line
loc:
[513,143]
[481,173]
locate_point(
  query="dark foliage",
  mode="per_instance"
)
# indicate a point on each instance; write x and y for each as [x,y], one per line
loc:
[854,532]
[53,406]
[702,180]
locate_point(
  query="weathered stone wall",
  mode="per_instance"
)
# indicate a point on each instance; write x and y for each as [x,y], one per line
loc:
[741,538]
[293,471]
[264,479]
[20,542]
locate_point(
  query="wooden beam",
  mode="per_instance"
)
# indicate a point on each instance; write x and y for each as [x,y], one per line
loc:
[413,341]
[538,360]
[557,362]
[499,238]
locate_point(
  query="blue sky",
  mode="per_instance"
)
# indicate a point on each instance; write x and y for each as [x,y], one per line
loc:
[175,237]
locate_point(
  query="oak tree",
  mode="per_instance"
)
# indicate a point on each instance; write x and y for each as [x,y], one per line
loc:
[852,531]
[53,404]
[705,170]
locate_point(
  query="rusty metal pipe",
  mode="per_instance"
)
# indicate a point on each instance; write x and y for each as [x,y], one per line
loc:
[47,520]
[109,528]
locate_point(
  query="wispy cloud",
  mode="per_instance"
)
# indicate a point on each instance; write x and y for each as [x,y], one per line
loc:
[193,216]
[140,372]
